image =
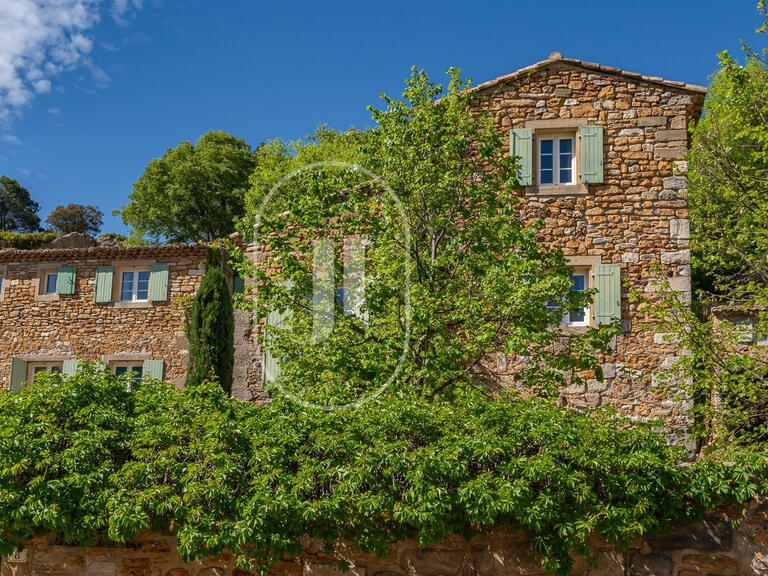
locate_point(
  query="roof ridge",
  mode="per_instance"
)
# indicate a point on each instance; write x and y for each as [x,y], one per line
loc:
[592,66]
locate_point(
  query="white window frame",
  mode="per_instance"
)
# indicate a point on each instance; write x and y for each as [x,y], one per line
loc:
[556,139]
[46,276]
[566,321]
[135,285]
[34,366]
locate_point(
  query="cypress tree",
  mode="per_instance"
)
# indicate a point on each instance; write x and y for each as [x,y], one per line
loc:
[210,331]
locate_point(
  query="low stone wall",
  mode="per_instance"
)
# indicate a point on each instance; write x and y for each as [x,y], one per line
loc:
[712,547]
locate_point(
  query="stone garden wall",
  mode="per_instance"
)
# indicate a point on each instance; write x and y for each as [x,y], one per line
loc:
[712,547]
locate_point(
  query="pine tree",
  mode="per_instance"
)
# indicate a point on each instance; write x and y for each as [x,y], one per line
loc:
[210,330]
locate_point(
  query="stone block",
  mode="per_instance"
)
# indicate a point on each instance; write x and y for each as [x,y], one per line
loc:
[711,535]
[680,283]
[610,563]
[429,562]
[675,153]
[562,92]
[630,257]
[650,565]
[631,132]
[668,135]
[609,370]
[647,121]
[680,229]
[675,182]
[711,564]
[676,257]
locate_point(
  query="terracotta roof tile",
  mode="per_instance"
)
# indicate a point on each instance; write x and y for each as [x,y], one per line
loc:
[122,252]
[593,66]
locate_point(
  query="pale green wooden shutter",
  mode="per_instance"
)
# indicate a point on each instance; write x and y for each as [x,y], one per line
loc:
[521,145]
[271,364]
[591,154]
[607,302]
[69,367]
[65,281]
[18,374]
[103,289]
[153,369]
[158,283]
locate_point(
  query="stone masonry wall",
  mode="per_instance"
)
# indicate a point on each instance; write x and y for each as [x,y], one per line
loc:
[712,547]
[76,327]
[637,217]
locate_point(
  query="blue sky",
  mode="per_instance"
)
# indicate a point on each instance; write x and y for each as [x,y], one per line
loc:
[92,90]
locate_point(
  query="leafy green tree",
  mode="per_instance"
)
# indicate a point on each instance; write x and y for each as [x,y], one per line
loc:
[277,158]
[85,459]
[18,212]
[75,218]
[451,268]
[210,332]
[193,192]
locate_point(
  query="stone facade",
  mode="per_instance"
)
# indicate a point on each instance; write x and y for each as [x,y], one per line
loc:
[48,329]
[637,217]
[712,547]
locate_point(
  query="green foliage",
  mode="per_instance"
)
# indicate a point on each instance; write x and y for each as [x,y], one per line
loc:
[452,241]
[75,218]
[193,192]
[25,241]
[277,158]
[18,212]
[210,331]
[84,458]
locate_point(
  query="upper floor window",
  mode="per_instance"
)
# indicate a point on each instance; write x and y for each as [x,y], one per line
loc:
[134,286]
[557,161]
[49,282]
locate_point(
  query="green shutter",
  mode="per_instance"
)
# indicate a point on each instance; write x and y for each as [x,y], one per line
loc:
[153,369]
[591,154]
[65,282]
[18,374]
[103,289]
[239,285]
[608,298]
[158,283]
[69,367]
[521,145]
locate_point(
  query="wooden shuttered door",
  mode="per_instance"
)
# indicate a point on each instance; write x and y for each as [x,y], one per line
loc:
[18,374]
[153,369]
[158,283]
[65,281]
[591,140]
[521,145]
[104,280]
[607,281]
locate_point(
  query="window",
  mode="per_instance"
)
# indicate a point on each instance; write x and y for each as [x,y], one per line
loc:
[134,286]
[35,368]
[580,316]
[135,370]
[557,161]
[49,282]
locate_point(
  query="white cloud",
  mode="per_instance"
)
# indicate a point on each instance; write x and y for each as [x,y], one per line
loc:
[10,139]
[42,38]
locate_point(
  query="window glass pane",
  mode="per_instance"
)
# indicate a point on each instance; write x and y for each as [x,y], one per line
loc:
[39,369]
[566,146]
[566,161]
[50,283]
[138,372]
[547,177]
[546,146]
[1,281]
[142,290]
[126,286]
[579,284]
[120,370]
[565,176]
[56,369]
[546,162]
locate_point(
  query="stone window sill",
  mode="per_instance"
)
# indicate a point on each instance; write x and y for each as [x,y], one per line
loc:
[561,190]
[46,297]
[128,305]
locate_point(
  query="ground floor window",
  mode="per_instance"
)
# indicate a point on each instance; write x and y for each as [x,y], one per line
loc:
[580,282]
[35,368]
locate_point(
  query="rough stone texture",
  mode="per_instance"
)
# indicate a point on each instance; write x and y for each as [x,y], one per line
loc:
[713,547]
[61,327]
[637,217]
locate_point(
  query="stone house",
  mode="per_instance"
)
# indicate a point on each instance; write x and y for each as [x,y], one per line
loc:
[602,154]
[123,306]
